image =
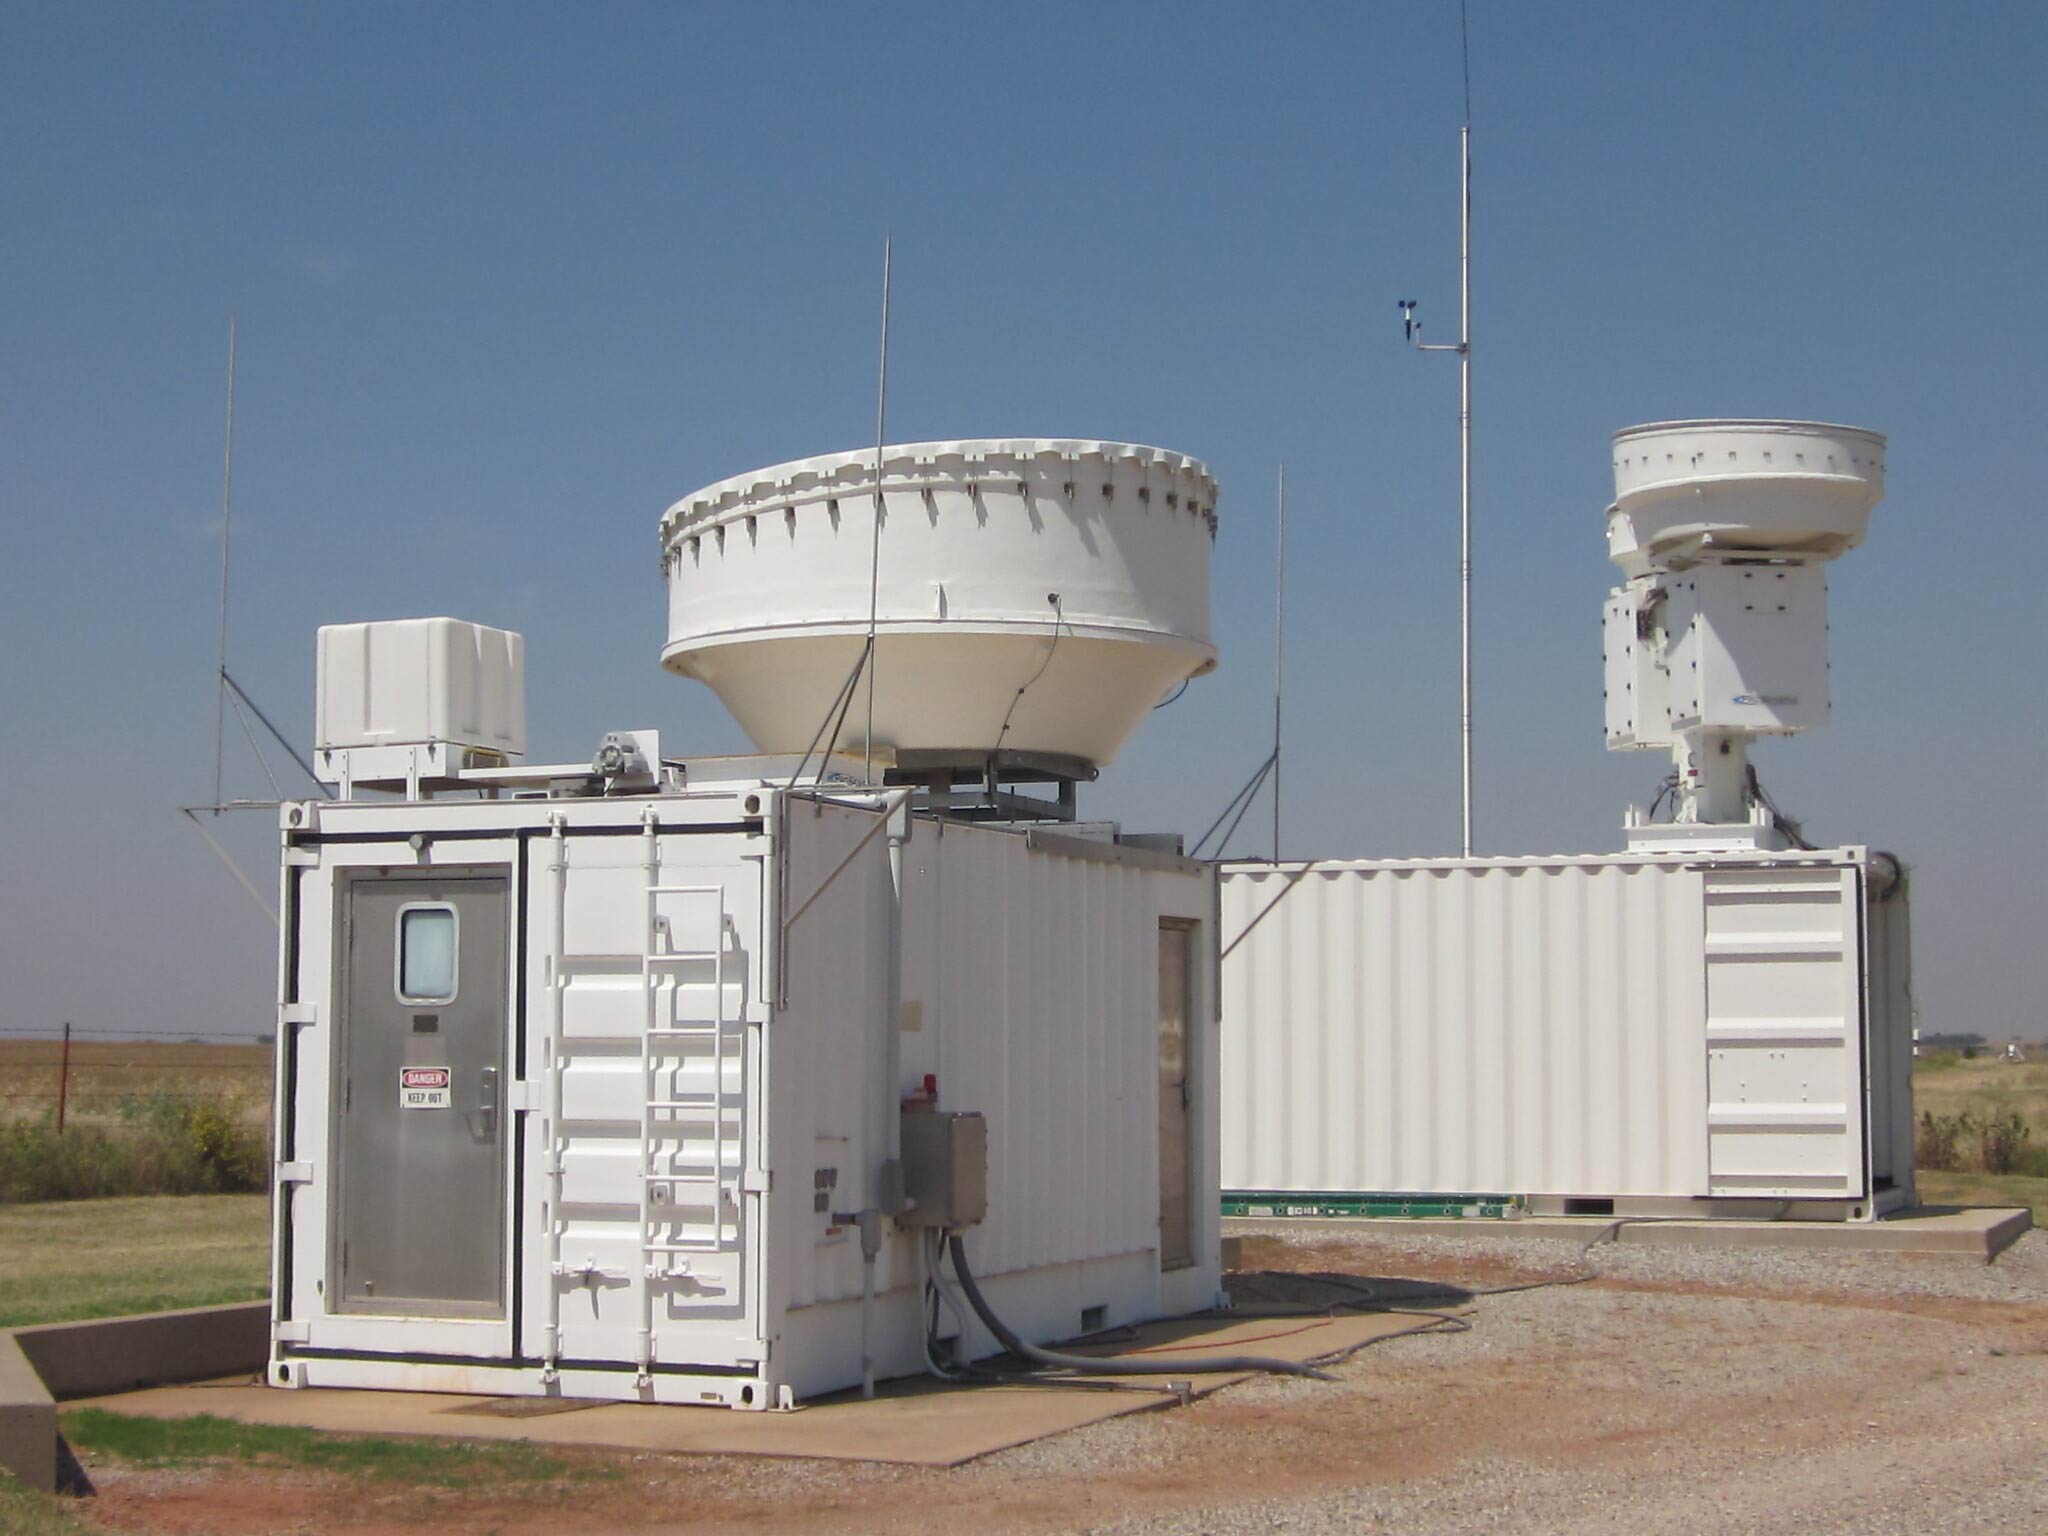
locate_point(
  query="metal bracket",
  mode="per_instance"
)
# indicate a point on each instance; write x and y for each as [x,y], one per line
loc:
[756,1181]
[293,1331]
[294,1173]
[299,1014]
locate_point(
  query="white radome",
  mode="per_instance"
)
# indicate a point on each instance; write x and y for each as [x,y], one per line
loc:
[1682,488]
[1076,571]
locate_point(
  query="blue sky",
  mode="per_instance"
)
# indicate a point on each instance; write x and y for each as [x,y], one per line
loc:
[511,279]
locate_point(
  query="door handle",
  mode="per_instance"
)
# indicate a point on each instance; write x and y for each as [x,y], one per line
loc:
[487,1104]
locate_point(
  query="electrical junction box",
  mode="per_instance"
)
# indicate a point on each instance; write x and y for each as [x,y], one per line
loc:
[945,1168]
[1746,648]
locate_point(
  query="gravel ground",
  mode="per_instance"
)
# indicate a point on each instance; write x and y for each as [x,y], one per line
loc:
[1712,1391]
[1704,1390]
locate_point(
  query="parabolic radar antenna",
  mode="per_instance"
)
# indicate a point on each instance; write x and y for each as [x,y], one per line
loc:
[1035,599]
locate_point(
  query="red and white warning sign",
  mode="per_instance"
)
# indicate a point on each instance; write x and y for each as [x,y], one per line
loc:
[424,1088]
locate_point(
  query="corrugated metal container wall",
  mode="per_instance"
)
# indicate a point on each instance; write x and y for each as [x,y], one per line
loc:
[824,1048]
[1030,989]
[1038,980]
[1515,1027]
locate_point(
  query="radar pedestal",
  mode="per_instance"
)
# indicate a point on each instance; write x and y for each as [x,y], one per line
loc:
[1719,635]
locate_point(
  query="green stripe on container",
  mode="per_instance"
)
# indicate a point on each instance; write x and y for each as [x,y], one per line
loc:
[1284,1203]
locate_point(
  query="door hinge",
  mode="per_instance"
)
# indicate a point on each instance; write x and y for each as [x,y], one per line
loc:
[755,1181]
[294,1173]
[293,1330]
[297,1013]
[296,857]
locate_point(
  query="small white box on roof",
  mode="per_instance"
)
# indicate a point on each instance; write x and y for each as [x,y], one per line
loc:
[402,698]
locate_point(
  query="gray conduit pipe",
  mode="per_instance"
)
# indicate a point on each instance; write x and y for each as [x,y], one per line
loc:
[1113,1365]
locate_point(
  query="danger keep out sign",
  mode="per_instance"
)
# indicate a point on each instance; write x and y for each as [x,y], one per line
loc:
[424,1088]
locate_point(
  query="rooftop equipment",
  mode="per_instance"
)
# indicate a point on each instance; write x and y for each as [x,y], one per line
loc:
[1036,598]
[1719,633]
[411,701]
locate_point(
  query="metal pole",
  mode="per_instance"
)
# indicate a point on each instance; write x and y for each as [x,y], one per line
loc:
[875,547]
[1465,479]
[1279,650]
[227,508]
[64,1077]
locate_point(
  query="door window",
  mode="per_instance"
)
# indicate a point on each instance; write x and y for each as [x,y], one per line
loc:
[427,940]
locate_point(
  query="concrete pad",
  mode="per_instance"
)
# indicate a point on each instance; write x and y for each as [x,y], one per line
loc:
[914,1422]
[1980,1233]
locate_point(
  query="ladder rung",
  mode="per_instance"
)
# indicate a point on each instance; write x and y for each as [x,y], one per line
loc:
[687,890]
[710,1099]
[682,1178]
[701,1245]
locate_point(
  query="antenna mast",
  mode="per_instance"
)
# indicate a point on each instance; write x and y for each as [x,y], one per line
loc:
[875,547]
[1463,347]
[1279,651]
[227,509]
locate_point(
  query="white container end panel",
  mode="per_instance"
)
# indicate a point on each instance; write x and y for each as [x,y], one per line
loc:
[1784,1025]
[1482,1028]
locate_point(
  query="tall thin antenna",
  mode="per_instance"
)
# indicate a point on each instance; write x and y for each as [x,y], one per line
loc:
[875,545]
[1412,328]
[227,510]
[1279,642]
[1465,57]
[1465,481]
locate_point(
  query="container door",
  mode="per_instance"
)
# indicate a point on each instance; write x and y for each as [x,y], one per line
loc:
[422,1133]
[1785,1076]
[1176,1160]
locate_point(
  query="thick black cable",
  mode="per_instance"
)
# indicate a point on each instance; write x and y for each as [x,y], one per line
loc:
[1110,1365]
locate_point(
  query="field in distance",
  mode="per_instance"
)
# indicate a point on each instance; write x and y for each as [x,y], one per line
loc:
[107,1073]
[1986,1089]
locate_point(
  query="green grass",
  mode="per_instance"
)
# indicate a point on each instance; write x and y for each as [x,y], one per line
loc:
[103,1258]
[25,1513]
[1983,1189]
[147,1442]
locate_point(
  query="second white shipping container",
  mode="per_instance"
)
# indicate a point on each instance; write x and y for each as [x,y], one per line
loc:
[1728,1033]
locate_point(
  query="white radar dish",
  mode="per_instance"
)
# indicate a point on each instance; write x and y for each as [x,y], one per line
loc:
[1687,489]
[1037,596]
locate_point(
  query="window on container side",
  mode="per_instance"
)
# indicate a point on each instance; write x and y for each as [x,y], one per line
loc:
[428,939]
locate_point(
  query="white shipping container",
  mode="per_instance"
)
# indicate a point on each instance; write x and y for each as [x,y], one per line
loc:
[576,1096]
[1638,1033]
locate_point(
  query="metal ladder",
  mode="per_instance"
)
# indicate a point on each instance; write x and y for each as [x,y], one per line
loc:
[662,1192]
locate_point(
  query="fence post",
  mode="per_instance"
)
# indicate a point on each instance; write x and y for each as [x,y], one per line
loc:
[63,1076]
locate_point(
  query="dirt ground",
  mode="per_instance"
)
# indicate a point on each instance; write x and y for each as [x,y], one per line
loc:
[1679,1390]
